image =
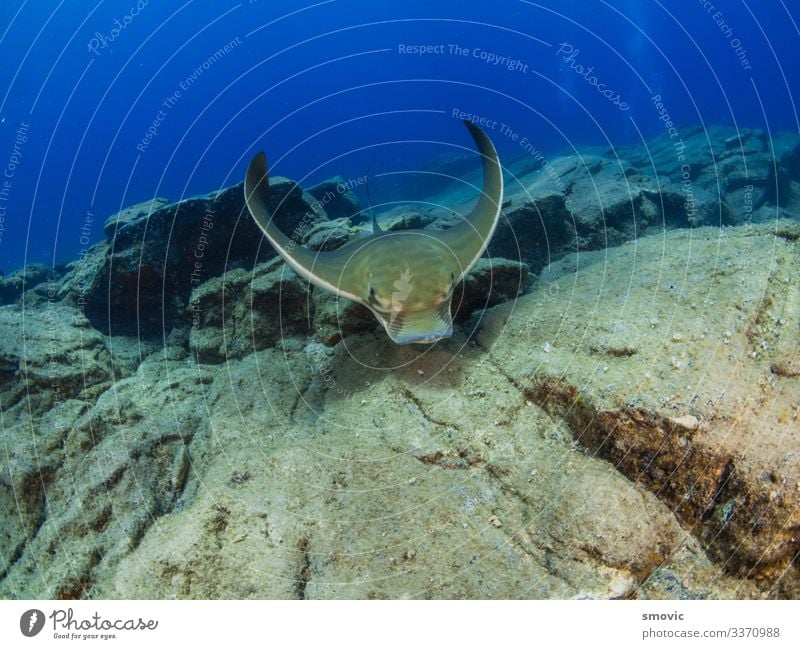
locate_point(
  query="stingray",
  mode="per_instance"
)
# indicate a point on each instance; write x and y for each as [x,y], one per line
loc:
[405,277]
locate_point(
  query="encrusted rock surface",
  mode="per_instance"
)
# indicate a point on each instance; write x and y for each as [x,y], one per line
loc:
[337,200]
[245,311]
[670,358]
[617,432]
[13,285]
[49,354]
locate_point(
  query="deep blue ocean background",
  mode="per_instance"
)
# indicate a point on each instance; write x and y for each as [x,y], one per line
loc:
[323,88]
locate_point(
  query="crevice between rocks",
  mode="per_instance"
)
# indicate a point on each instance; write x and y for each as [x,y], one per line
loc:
[15,556]
[304,572]
[690,478]
[744,530]
[410,396]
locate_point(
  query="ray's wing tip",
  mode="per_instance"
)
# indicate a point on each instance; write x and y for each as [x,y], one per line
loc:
[259,160]
[475,130]
[256,172]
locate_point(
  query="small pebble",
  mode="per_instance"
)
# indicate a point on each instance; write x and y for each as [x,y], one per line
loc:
[495,521]
[689,422]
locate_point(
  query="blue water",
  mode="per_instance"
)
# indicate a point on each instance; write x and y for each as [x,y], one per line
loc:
[325,89]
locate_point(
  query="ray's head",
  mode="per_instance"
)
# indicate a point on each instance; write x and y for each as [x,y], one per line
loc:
[409,282]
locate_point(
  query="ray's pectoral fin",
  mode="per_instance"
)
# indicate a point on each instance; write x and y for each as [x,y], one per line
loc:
[323,269]
[468,240]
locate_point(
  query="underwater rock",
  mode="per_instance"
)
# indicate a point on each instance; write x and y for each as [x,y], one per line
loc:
[131,214]
[321,466]
[564,204]
[535,231]
[592,203]
[127,354]
[738,169]
[610,204]
[244,311]
[397,476]
[337,317]
[405,216]
[329,235]
[47,355]
[140,281]
[25,279]
[490,282]
[701,319]
[108,470]
[33,456]
[337,199]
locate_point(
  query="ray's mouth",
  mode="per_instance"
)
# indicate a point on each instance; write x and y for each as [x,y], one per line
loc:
[423,339]
[420,328]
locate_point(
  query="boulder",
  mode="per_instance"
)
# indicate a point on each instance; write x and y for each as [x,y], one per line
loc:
[15,283]
[594,199]
[245,311]
[329,235]
[406,216]
[336,198]
[138,212]
[337,317]
[675,358]
[490,282]
[139,282]
[47,355]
